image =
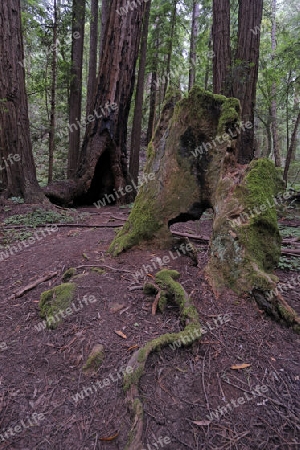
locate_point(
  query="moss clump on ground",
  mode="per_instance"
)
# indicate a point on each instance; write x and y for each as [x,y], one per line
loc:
[95,359]
[54,301]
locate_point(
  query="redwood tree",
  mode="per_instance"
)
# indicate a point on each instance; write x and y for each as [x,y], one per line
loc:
[221,47]
[103,159]
[238,77]
[92,79]
[193,42]
[138,107]
[76,85]
[245,71]
[17,164]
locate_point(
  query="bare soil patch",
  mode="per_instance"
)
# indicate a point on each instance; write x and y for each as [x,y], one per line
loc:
[183,389]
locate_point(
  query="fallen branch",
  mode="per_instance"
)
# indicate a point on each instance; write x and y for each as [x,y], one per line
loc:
[81,225]
[35,283]
[103,267]
[290,251]
[204,239]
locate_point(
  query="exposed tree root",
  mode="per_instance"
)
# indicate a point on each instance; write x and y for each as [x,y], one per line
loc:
[275,306]
[166,288]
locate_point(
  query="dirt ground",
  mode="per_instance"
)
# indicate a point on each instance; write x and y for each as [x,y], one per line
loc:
[183,389]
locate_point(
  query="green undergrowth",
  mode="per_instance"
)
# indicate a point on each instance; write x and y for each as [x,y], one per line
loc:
[39,217]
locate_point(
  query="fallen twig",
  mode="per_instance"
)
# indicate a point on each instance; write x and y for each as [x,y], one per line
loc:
[35,283]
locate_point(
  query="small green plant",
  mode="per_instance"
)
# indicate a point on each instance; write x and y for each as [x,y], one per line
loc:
[289,263]
[17,200]
[289,231]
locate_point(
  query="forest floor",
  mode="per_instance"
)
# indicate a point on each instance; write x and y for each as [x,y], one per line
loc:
[183,389]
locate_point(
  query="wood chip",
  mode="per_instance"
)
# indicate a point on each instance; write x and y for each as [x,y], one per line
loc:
[121,334]
[240,366]
[201,422]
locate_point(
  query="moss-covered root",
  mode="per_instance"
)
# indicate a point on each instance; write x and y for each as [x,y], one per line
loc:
[275,306]
[165,279]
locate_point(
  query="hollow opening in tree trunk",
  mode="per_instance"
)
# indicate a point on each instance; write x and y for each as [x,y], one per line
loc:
[102,184]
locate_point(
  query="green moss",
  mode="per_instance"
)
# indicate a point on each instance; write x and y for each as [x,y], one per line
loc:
[163,300]
[69,274]
[230,113]
[141,225]
[288,316]
[55,300]
[132,378]
[97,270]
[95,359]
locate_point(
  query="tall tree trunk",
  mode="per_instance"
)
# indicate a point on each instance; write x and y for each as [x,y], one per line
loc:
[153,88]
[78,21]
[17,164]
[291,148]
[170,50]
[102,170]
[104,19]
[193,43]
[221,47]
[274,91]
[92,80]
[245,71]
[53,95]
[139,96]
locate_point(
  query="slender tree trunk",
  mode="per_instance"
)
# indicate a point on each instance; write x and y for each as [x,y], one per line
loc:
[221,47]
[193,43]
[274,91]
[291,149]
[208,66]
[92,80]
[245,71]
[138,110]
[53,95]
[153,95]
[17,164]
[78,21]
[169,57]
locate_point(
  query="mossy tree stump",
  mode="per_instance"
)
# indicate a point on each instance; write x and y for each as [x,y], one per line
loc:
[245,246]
